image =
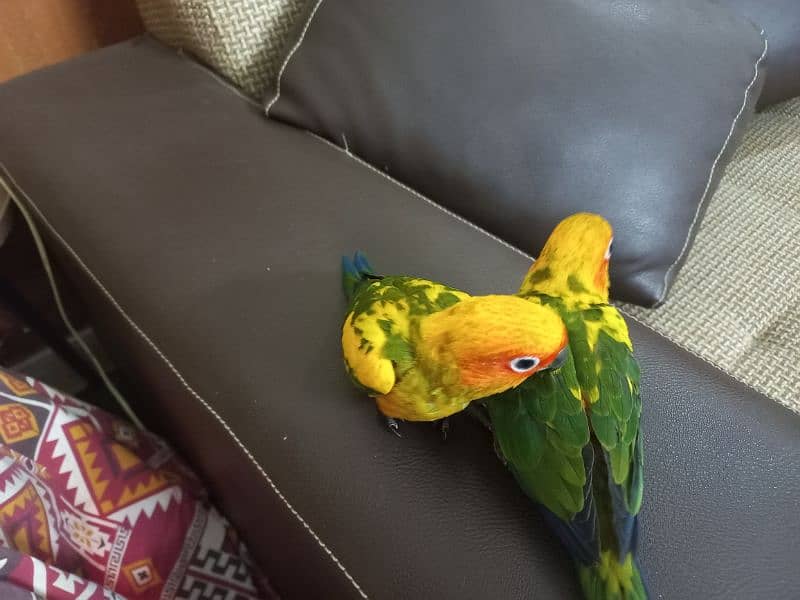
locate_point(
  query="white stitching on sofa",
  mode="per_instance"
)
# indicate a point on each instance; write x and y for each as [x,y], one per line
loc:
[62,311]
[713,170]
[169,364]
[289,57]
[531,258]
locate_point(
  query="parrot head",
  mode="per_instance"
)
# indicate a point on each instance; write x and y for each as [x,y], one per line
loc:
[489,344]
[575,259]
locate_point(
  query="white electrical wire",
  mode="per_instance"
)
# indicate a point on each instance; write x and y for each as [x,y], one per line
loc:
[40,247]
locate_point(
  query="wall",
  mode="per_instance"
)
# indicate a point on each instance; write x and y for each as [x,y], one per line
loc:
[36,33]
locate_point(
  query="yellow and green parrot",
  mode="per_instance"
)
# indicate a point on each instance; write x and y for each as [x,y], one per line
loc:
[424,351]
[571,436]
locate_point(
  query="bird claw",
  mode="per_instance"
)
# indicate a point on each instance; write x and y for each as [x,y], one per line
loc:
[444,427]
[393,426]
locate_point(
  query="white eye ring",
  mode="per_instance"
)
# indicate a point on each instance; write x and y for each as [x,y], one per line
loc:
[524,364]
[607,255]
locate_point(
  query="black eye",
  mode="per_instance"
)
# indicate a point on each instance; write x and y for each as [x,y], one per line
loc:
[523,364]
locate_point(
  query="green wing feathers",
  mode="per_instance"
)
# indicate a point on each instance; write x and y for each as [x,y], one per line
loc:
[608,376]
[614,412]
[590,437]
[608,379]
[541,429]
[615,416]
[543,434]
[377,328]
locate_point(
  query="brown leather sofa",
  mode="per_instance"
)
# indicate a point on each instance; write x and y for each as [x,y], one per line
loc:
[207,239]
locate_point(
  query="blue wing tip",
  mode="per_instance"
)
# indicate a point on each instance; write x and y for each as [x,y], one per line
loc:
[579,537]
[356,268]
[361,262]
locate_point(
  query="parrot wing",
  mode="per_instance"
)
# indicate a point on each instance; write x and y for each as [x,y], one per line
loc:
[364,343]
[611,381]
[377,328]
[543,433]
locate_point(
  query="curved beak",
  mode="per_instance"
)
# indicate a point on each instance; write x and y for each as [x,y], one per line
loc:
[560,359]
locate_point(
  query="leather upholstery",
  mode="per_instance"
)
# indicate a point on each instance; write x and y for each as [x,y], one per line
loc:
[517,114]
[780,20]
[208,239]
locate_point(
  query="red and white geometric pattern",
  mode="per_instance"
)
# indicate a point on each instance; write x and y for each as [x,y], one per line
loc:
[92,508]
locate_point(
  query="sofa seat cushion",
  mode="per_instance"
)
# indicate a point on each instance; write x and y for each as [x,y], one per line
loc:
[207,240]
[736,302]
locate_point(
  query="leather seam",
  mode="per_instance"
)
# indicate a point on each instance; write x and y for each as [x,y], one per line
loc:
[712,172]
[531,258]
[418,195]
[289,57]
[177,374]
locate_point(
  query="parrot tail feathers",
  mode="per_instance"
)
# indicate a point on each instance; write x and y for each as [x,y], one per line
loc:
[625,504]
[626,525]
[355,271]
[578,536]
[611,579]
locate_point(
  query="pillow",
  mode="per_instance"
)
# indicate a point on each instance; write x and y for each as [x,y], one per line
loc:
[519,113]
[244,40]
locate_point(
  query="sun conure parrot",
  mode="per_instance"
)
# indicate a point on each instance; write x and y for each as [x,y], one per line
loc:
[571,436]
[424,350]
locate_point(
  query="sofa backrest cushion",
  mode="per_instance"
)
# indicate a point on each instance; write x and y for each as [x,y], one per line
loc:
[516,114]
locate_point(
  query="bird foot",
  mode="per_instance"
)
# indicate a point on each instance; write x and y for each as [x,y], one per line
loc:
[443,425]
[393,426]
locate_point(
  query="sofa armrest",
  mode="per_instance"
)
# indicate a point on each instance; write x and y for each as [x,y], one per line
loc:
[207,240]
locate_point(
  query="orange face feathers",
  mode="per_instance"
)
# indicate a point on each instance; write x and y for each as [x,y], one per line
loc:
[494,342]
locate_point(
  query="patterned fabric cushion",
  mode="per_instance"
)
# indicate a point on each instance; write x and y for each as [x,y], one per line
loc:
[736,302]
[91,507]
[244,40]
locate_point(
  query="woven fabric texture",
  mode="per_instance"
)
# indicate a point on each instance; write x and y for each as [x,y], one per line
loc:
[736,301]
[243,40]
